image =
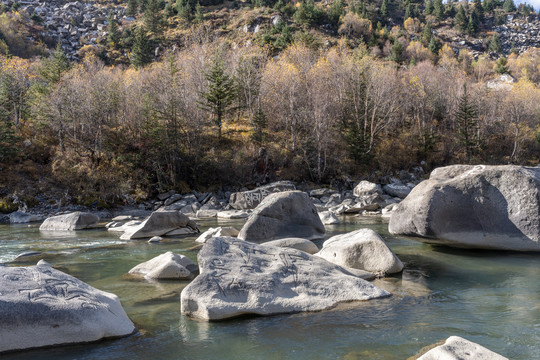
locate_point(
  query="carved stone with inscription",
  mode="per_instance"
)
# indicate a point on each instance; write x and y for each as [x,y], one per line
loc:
[41,306]
[240,278]
[72,221]
[488,207]
[282,215]
[362,249]
[250,199]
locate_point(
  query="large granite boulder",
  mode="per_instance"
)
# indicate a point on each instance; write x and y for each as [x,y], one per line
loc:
[41,306]
[281,215]
[365,187]
[489,207]
[304,245]
[397,190]
[167,266]
[250,199]
[72,221]
[362,249]
[458,348]
[160,223]
[240,278]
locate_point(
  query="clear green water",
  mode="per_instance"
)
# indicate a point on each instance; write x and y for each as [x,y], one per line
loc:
[492,298]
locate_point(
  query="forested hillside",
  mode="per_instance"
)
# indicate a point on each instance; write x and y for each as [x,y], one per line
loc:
[200,95]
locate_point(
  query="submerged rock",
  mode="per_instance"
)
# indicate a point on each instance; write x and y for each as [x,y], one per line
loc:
[166,266]
[41,306]
[458,348]
[488,207]
[282,215]
[239,278]
[72,221]
[160,223]
[362,249]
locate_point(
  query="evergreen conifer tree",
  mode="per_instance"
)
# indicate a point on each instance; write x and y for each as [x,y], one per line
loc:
[132,7]
[152,17]
[408,12]
[397,51]
[427,35]
[220,94]
[141,53]
[142,5]
[438,9]
[467,123]
[501,66]
[384,9]
[184,10]
[509,6]
[472,26]
[460,21]
[199,17]
[428,10]
[112,29]
[259,125]
[56,64]
[495,43]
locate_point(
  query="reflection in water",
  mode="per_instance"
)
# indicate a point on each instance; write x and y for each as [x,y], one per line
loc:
[491,298]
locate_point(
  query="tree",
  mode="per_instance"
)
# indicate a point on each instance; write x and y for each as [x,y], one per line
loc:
[112,29]
[132,7]
[397,51]
[142,5]
[220,94]
[260,122]
[199,16]
[472,26]
[501,66]
[309,14]
[408,12]
[509,6]
[384,10]
[335,12]
[152,17]
[141,53]
[55,65]
[460,21]
[427,35]
[184,10]
[438,9]
[434,45]
[495,43]
[8,138]
[467,123]
[428,10]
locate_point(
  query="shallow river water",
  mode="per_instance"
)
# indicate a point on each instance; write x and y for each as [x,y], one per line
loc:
[492,298]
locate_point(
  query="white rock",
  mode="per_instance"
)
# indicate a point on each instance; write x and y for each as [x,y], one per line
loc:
[155,239]
[238,277]
[159,223]
[233,214]
[41,306]
[294,243]
[72,221]
[457,348]
[362,249]
[219,231]
[329,218]
[366,188]
[166,266]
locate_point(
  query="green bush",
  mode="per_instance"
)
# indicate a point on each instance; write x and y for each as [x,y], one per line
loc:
[7,206]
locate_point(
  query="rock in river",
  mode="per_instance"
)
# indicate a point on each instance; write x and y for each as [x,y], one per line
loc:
[72,221]
[41,306]
[294,243]
[160,223]
[489,207]
[457,348]
[166,266]
[239,278]
[362,249]
[282,215]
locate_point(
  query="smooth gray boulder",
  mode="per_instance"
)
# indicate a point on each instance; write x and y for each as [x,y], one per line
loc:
[41,306]
[458,348]
[282,215]
[233,214]
[167,266]
[160,223]
[72,221]
[329,218]
[294,243]
[362,249]
[238,277]
[250,199]
[365,187]
[488,207]
[397,190]
[19,217]
[215,232]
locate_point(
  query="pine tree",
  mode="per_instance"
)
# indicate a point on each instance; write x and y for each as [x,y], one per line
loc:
[142,5]
[335,12]
[460,21]
[488,5]
[472,26]
[199,17]
[152,17]
[434,45]
[509,6]
[8,137]
[184,10]
[56,64]
[384,9]
[479,9]
[427,35]
[141,53]
[495,43]
[132,8]
[408,12]
[397,51]
[438,9]
[429,8]
[112,29]
[467,123]
[221,93]
[259,125]
[501,66]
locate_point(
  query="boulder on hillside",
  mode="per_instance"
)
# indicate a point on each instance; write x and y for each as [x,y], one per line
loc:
[488,207]
[160,223]
[240,278]
[41,306]
[250,199]
[72,221]
[456,347]
[362,249]
[215,232]
[167,266]
[294,243]
[281,215]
